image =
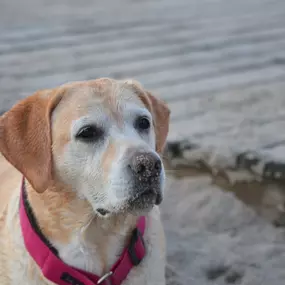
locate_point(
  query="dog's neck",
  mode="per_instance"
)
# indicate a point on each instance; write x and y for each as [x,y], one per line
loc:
[82,239]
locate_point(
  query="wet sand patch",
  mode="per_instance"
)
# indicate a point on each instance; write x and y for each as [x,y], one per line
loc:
[266,198]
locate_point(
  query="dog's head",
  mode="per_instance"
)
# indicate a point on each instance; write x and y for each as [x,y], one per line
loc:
[102,138]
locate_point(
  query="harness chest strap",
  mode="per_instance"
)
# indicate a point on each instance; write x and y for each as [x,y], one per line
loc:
[55,270]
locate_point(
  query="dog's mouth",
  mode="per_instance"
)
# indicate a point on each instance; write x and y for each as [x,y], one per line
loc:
[150,195]
[142,201]
[145,199]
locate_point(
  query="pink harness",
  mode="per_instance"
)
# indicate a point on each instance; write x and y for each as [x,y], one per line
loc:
[55,270]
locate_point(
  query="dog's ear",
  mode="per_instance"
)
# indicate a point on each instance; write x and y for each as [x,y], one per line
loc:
[25,137]
[161,115]
[159,111]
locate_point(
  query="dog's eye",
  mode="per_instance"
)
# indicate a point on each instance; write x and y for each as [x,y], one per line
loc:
[89,133]
[142,124]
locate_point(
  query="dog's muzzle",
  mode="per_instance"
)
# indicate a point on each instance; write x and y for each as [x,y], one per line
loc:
[145,169]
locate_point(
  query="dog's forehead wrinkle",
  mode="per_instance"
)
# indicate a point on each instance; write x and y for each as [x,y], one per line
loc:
[113,100]
[135,109]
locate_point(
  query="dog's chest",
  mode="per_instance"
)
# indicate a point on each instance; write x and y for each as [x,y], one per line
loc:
[23,270]
[150,271]
[99,259]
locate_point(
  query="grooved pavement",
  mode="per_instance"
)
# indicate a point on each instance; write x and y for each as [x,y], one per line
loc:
[211,60]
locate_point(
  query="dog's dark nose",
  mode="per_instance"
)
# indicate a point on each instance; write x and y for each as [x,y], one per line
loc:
[145,165]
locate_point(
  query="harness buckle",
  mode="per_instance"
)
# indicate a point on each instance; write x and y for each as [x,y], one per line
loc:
[105,277]
[136,235]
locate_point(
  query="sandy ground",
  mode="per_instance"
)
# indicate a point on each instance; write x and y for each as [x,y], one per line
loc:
[213,238]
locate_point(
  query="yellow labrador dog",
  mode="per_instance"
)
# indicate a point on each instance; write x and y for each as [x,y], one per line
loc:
[86,211]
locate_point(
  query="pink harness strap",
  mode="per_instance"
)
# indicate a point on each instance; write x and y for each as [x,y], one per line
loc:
[55,270]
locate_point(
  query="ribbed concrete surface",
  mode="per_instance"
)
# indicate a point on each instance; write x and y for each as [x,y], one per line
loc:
[189,52]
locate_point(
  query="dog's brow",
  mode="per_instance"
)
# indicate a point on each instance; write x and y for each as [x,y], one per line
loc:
[116,102]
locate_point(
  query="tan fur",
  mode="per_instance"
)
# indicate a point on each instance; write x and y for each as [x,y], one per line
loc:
[34,136]
[108,157]
[25,138]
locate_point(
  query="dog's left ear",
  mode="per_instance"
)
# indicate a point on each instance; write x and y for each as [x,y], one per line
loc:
[161,115]
[159,110]
[25,137]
